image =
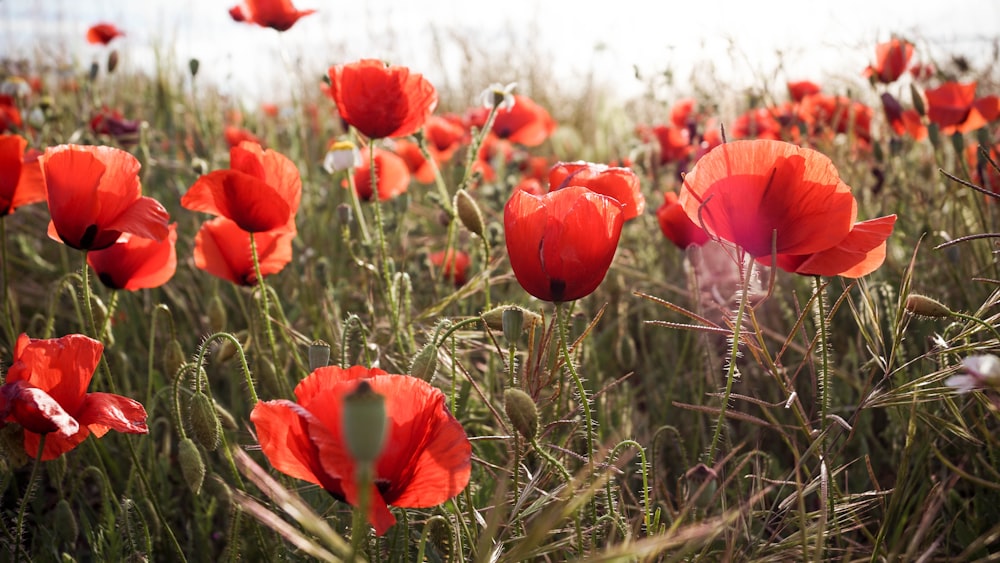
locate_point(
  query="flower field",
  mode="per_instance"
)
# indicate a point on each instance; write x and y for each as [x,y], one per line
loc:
[375,319]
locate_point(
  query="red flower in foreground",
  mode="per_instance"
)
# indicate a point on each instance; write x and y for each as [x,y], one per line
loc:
[426,459]
[454,264]
[46,393]
[260,191]
[748,192]
[621,184]
[135,263]
[677,226]
[222,248]
[94,196]
[391,174]
[891,59]
[382,101]
[527,123]
[21,180]
[276,14]
[561,244]
[103,33]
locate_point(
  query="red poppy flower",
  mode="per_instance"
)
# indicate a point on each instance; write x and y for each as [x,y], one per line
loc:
[527,123]
[891,59]
[103,33]
[21,180]
[135,263]
[421,168]
[674,142]
[46,393]
[748,192]
[949,105]
[113,123]
[10,116]
[682,113]
[444,136]
[677,226]
[222,248]
[276,14]
[860,253]
[426,459]
[94,196]
[391,173]
[235,135]
[802,88]
[756,124]
[382,101]
[903,121]
[621,184]
[455,265]
[260,191]
[530,185]
[561,244]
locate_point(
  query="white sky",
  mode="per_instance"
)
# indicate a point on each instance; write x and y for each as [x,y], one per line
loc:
[819,39]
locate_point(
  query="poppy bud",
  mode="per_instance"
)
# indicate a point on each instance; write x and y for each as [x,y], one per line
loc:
[193,65]
[694,478]
[218,488]
[319,355]
[469,213]
[345,214]
[136,534]
[494,317]
[94,69]
[112,61]
[926,307]
[425,362]
[934,134]
[268,377]
[216,314]
[205,425]
[364,423]
[958,143]
[224,351]
[522,412]
[100,311]
[192,466]
[512,322]
[173,358]
[918,100]
[64,520]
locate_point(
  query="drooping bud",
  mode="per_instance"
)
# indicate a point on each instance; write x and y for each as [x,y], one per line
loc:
[192,466]
[136,532]
[173,358]
[216,314]
[268,377]
[522,412]
[319,355]
[926,307]
[424,364]
[64,522]
[469,213]
[364,423]
[205,426]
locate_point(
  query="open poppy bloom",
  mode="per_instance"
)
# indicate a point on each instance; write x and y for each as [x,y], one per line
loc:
[276,14]
[426,459]
[94,196]
[455,265]
[769,196]
[391,174]
[954,107]
[381,101]
[135,263]
[103,33]
[444,136]
[621,184]
[891,59]
[677,226]
[260,191]
[802,88]
[222,248]
[21,180]
[46,393]
[561,244]
[526,123]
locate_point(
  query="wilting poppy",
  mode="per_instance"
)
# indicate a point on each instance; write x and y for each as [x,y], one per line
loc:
[891,59]
[454,265]
[135,263]
[621,184]
[103,33]
[222,248]
[276,14]
[391,174]
[21,180]
[113,123]
[10,116]
[382,101]
[426,459]
[94,196]
[677,226]
[527,123]
[769,196]
[260,191]
[561,244]
[46,393]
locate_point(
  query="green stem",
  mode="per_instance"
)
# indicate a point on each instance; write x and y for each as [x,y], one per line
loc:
[824,358]
[383,250]
[266,316]
[646,512]
[8,312]
[27,497]
[92,324]
[563,324]
[200,362]
[359,528]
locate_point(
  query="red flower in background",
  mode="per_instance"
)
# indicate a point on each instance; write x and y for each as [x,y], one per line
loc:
[561,244]
[135,263]
[94,196]
[276,14]
[756,124]
[674,142]
[392,175]
[10,116]
[750,192]
[381,101]
[954,107]
[984,174]
[526,123]
[444,136]
[236,135]
[421,168]
[426,460]
[454,264]
[46,393]
[620,184]
[677,226]
[260,191]
[903,121]
[891,60]
[103,33]
[222,248]
[113,123]
[21,179]
[801,89]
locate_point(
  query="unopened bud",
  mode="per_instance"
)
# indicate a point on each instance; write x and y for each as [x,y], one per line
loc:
[192,466]
[173,358]
[136,531]
[522,412]
[319,355]
[100,311]
[469,213]
[64,522]
[934,134]
[494,317]
[958,143]
[112,61]
[424,364]
[918,100]
[512,322]
[205,425]
[216,314]
[268,376]
[704,478]
[193,66]
[94,69]
[364,423]
[926,307]
[345,214]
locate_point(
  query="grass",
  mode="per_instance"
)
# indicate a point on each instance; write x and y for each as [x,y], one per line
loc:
[848,447]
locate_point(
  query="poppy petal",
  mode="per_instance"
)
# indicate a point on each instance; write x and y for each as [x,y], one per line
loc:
[36,410]
[62,367]
[859,254]
[101,412]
